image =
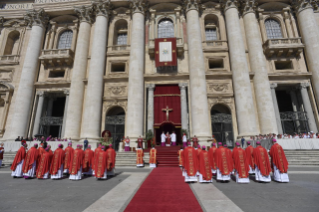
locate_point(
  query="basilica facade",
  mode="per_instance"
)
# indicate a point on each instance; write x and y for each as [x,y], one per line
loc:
[228,68]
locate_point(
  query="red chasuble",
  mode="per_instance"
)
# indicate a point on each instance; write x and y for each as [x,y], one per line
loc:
[88,160]
[57,161]
[223,162]
[198,152]
[249,156]
[153,155]
[18,158]
[241,164]
[69,151]
[181,157]
[262,160]
[44,165]
[100,163]
[211,154]
[278,157]
[139,156]
[32,155]
[76,161]
[111,155]
[190,161]
[41,150]
[96,152]
[229,154]
[204,165]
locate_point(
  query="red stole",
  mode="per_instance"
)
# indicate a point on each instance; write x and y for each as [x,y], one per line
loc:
[190,161]
[241,164]
[111,155]
[211,154]
[180,157]
[88,160]
[278,157]
[262,160]
[249,156]
[139,156]
[76,161]
[18,158]
[153,155]
[223,162]
[69,151]
[100,163]
[58,159]
[32,155]
[204,165]
[44,164]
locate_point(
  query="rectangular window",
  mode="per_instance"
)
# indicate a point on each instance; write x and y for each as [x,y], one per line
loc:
[121,39]
[216,63]
[283,65]
[56,74]
[118,67]
[211,34]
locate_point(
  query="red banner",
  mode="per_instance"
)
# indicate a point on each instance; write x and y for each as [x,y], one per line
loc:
[165,52]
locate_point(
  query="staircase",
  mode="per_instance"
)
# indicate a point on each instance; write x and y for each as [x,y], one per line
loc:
[129,159]
[167,156]
[8,158]
[302,157]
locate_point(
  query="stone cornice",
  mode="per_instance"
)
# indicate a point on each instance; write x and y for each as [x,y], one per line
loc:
[1,21]
[36,17]
[227,4]
[249,6]
[191,5]
[139,6]
[102,7]
[84,13]
[300,5]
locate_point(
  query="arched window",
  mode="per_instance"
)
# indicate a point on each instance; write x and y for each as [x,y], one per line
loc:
[65,40]
[165,29]
[120,33]
[12,43]
[273,29]
[211,28]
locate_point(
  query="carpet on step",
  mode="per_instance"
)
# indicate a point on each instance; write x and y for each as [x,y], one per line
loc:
[164,190]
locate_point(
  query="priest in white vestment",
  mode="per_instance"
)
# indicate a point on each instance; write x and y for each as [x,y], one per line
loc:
[184,138]
[163,139]
[173,138]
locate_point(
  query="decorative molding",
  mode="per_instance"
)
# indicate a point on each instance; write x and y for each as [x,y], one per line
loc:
[111,103]
[102,7]
[139,6]
[191,5]
[300,5]
[14,23]
[249,6]
[150,86]
[227,4]
[304,85]
[1,20]
[36,18]
[220,87]
[84,13]
[117,90]
[220,100]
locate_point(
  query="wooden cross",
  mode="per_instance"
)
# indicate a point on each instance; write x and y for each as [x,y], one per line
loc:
[167,110]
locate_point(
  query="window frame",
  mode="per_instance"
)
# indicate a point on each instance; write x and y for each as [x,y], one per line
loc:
[68,43]
[272,32]
[165,34]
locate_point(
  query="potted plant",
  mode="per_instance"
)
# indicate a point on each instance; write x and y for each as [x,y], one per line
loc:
[149,137]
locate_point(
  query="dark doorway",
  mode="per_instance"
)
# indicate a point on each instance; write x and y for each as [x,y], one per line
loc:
[167,127]
[58,107]
[115,123]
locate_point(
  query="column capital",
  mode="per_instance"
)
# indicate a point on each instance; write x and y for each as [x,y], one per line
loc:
[40,93]
[84,13]
[300,5]
[249,6]
[190,5]
[139,6]
[273,85]
[182,85]
[304,85]
[102,7]
[1,21]
[227,4]
[36,17]
[66,92]
[150,86]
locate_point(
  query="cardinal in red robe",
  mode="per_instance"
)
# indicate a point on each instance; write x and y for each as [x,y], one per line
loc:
[241,164]
[111,156]
[279,163]
[249,157]
[76,163]
[69,151]
[262,164]
[101,164]
[224,163]
[56,169]
[88,161]
[30,162]
[96,152]
[229,154]
[191,165]
[41,150]
[44,165]
[212,161]
[152,161]
[17,164]
[181,157]
[205,170]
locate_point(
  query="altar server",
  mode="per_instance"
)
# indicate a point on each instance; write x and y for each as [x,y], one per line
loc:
[184,138]
[279,162]
[262,164]
[163,139]
[17,164]
[173,138]
[30,162]
[180,157]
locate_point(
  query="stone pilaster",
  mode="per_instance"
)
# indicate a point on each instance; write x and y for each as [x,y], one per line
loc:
[150,107]
[37,19]
[273,86]
[134,117]
[246,120]
[94,94]
[36,126]
[258,65]
[65,114]
[184,115]
[75,105]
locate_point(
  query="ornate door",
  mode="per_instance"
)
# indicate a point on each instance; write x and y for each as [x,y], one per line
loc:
[223,128]
[115,124]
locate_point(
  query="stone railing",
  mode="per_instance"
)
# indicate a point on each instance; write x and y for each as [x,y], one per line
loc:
[50,120]
[119,48]
[9,59]
[283,47]
[55,57]
[283,41]
[214,45]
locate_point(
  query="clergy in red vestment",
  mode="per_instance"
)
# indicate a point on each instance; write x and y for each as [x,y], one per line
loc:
[152,161]
[195,141]
[168,139]
[191,165]
[88,161]
[111,156]
[30,162]
[101,164]
[44,165]
[41,150]
[212,161]
[76,164]
[17,164]
[249,157]
[180,157]
[279,163]
[224,163]
[139,157]
[140,141]
[205,172]
[56,169]
[262,164]
[69,151]
[96,152]
[229,154]
[241,164]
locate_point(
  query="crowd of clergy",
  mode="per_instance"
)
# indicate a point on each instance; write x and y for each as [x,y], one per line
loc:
[42,163]
[310,134]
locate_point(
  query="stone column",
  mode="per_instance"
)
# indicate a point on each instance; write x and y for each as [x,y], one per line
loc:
[36,126]
[23,103]
[308,108]
[245,109]
[197,74]
[295,107]
[273,86]
[66,92]
[75,106]
[150,107]
[135,108]
[93,101]
[265,106]
[309,29]
[182,87]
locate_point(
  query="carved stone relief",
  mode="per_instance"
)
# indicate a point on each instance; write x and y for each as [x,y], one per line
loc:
[6,75]
[220,100]
[116,90]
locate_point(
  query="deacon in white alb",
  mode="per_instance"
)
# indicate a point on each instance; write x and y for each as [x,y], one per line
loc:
[173,138]
[163,138]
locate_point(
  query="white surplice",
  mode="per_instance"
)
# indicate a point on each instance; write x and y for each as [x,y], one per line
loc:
[214,171]
[251,171]
[59,174]
[184,138]
[241,180]
[163,138]
[77,176]
[66,171]
[280,177]
[18,172]
[201,180]
[260,177]
[46,175]
[222,177]
[104,176]
[152,165]
[31,172]
[90,172]
[173,137]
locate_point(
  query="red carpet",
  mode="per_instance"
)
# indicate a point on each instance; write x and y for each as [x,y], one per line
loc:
[164,190]
[167,156]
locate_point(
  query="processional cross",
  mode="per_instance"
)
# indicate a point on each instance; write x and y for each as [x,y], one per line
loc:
[167,110]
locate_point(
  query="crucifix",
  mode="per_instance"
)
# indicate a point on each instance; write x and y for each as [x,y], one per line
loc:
[167,110]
